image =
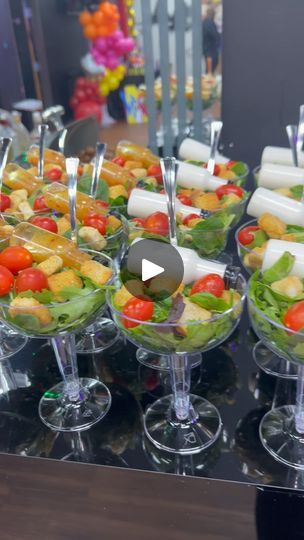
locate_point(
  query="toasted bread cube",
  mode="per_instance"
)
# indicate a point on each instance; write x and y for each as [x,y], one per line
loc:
[96,271]
[206,201]
[291,286]
[51,265]
[130,165]
[67,278]
[284,191]
[6,230]
[231,200]
[30,306]
[122,296]
[22,194]
[226,295]
[139,172]
[254,259]
[63,225]
[117,191]
[92,236]
[192,312]
[114,222]
[227,174]
[26,210]
[272,225]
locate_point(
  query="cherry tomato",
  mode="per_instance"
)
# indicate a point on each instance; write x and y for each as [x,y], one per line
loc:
[16,258]
[6,281]
[155,171]
[138,221]
[245,237]
[211,283]
[45,223]
[54,174]
[31,279]
[102,204]
[119,160]
[140,309]
[184,199]
[294,317]
[217,169]
[188,218]
[80,170]
[229,188]
[231,164]
[97,221]
[5,202]
[40,204]
[157,223]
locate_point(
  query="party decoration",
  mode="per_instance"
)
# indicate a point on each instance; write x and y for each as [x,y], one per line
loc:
[102,22]
[87,108]
[86,98]
[136,111]
[111,80]
[89,65]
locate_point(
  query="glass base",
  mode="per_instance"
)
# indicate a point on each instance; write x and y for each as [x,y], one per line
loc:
[11,343]
[272,364]
[162,362]
[99,336]
[191,436]
[59,414]
[280,439]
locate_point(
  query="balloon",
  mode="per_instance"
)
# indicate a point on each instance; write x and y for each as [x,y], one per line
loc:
[90,66]
[112,63]
[100,44]
[129,44]
[85,18]
[113,83]
[90,31]
[104,89]
[98,18]
[87,108]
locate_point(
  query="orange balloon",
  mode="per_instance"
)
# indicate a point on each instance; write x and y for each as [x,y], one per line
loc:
[98,18]
[102,30]
[85,18]
[90,31]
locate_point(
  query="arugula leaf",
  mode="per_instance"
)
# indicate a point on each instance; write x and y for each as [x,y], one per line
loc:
[280,269]
[209,301]
[297,191]
[84,185]
[44,297]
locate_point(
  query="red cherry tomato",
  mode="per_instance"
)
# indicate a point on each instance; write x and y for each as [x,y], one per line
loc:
[6,281]
[102,204]
[45,223]
[40,204]
[16,258]
[31,279]
[54,174]
[157,223]
[188,218]
[216,171]
[155,171]
[294,317]
[229,188]
[97,221]
[138,221]
[211,283]
[5,202]
[140,309]
[119,160]
[231,164]
[184,199]
[245,235]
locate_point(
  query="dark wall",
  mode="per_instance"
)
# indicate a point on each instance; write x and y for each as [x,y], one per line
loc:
[263,73]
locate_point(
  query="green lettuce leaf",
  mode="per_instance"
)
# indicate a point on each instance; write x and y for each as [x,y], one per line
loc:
[209,302]
[280,269]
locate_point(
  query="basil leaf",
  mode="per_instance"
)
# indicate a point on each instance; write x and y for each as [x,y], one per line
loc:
[280,269]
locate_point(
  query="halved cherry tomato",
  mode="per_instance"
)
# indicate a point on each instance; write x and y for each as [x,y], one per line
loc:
[140,309]
[157,223]
[5,202]
[119,160]
[211,283]
[229,188]
[40,204]
[139,221]
[46,223]
[97,221]
[216,171]
[102,204]
[184,199]
[6,281]
[294,317]
[188,218]
[245,235]
[231,164]
[54,174]
[31,279]
[16,258]
[155,171]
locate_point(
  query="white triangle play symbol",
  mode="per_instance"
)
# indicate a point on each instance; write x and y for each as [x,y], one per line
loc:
[150,270]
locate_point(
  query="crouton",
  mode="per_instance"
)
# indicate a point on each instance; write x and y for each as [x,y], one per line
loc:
[132,288]
[20,193]
[284,191]
[130,165]
[30,306]
[67,278]
[254,259]
[226,174]
[63,225]
[15,201]
[236,297]
[231,200]
[96,271]
[139,172]
[51,265]
[6,230]
[206,201]
[290,286]
[26,210]
[272,225]
[151,181]
[117,191]
[192,312]
[92,237]
[114,223]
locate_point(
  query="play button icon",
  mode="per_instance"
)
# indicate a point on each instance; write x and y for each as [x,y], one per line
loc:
[152,268]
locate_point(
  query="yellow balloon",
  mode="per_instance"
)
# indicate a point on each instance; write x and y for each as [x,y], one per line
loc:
[121,70]
[104,89]
[113,83]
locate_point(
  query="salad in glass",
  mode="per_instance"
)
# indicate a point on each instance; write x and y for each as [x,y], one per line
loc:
[234,171]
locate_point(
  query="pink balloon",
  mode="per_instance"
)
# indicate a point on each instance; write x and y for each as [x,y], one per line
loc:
[129,44]
[112,63]
[117,35]
[100,44]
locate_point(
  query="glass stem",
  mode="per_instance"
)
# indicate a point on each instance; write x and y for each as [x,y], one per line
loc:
[300,400]
[65,352]
[180,380]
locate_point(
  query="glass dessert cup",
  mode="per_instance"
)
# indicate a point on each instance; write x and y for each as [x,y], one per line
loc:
[282,428]
[75,404]
[181,423]
[251,260]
